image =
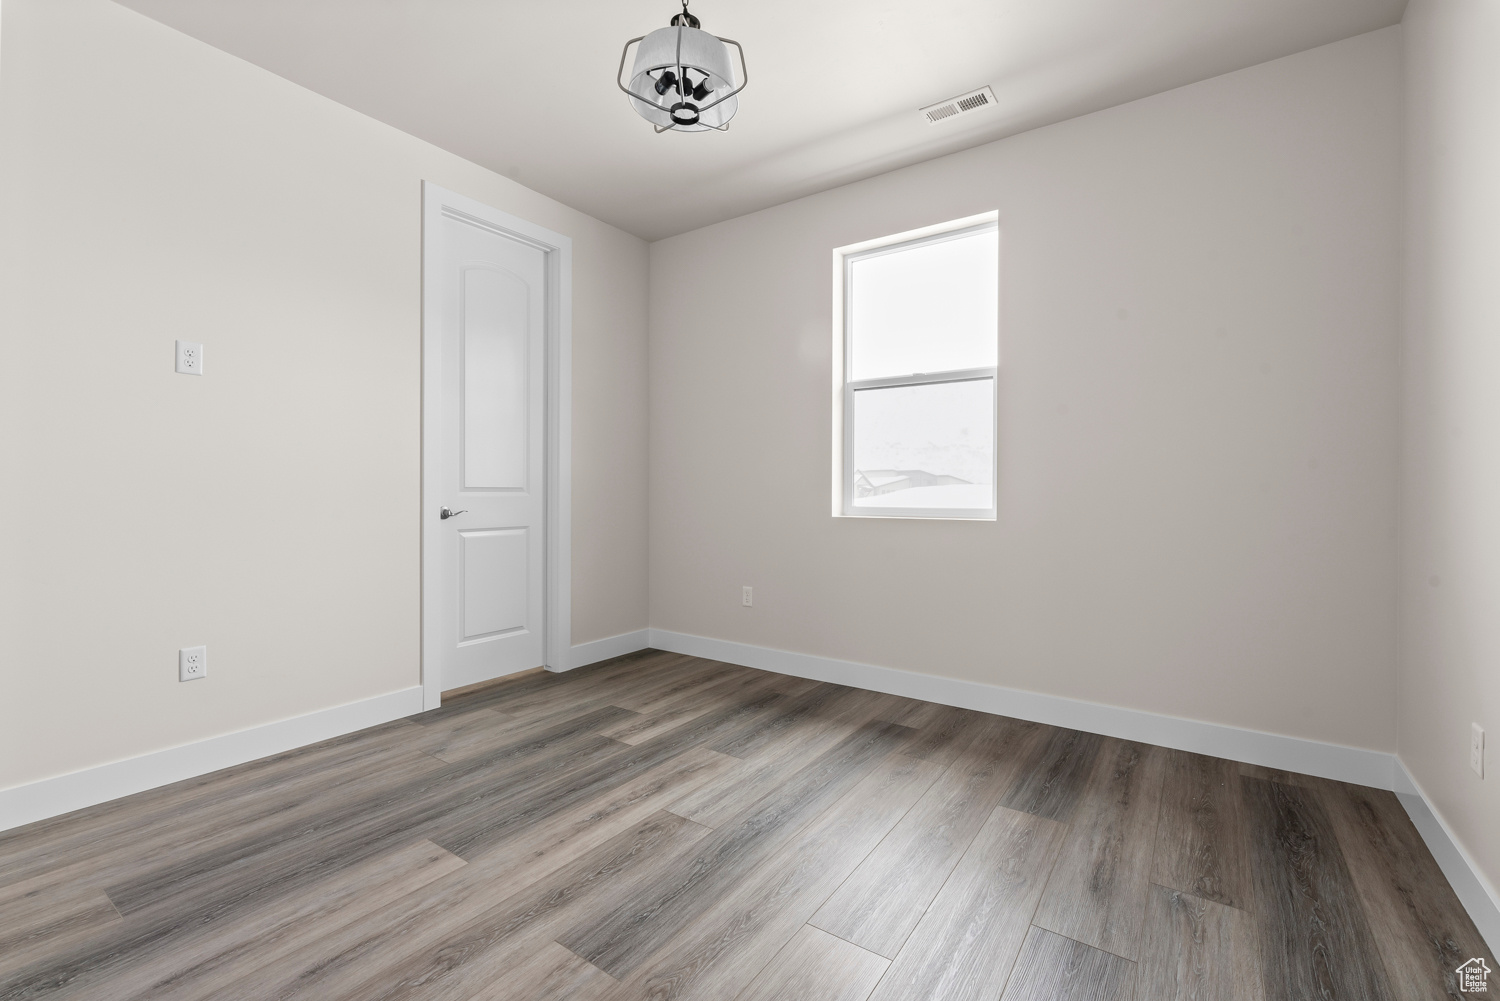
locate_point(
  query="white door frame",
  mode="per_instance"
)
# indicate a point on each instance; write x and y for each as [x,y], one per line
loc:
[436,203]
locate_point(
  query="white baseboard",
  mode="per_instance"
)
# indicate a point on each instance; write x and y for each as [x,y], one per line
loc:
[1474,891]
[64,793]
[583,654]
[1270,750]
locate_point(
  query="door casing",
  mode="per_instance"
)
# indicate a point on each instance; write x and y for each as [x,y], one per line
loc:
[438,202]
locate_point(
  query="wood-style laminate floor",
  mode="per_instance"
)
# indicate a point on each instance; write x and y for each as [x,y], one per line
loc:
[665,827]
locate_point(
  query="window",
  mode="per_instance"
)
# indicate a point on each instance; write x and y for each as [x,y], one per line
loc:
[920,344]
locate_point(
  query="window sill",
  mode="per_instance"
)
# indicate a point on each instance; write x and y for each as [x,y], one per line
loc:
[921,515]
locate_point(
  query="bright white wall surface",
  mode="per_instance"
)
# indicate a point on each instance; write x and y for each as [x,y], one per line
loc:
[1198,403]
[154,188]
[1450,480]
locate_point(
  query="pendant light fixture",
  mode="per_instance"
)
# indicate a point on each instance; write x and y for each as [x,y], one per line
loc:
[682,78]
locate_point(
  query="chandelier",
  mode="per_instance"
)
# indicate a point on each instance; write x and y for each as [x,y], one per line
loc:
[682,79]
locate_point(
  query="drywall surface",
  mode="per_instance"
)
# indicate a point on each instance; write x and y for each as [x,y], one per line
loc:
[1450,499]
[154,188]
[1198,400]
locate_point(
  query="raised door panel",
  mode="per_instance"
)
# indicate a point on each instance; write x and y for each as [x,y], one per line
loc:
[495,412]
[494,574]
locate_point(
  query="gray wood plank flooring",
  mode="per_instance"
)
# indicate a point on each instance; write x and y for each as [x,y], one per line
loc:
[816,966]
[1055,968]
[1197,950]
[965,945]
[1097,892]
[620,940]
[1415,930]
[665,827]
[722,951]
[882,901]
[1305,901]
[1200,839]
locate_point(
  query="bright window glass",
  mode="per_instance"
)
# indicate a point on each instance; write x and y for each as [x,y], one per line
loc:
[928,308]
[921,347]
[929,446]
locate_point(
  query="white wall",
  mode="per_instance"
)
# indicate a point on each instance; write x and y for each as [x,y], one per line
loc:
[153,188]
[1198,401]
[1450,480]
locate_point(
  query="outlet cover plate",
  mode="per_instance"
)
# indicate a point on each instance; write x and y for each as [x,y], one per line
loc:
[1476,749]
[192,663]
[189,358]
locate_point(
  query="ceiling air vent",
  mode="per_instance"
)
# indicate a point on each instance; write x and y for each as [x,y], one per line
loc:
[962,104]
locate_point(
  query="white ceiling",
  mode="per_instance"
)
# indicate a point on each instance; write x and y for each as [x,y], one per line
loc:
[526,87]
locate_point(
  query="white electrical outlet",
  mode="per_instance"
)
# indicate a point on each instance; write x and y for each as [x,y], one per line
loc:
[1476,749]
[192,663]
[747,596]
[189,358]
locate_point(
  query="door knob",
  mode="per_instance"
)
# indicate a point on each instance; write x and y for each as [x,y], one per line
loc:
[445,514]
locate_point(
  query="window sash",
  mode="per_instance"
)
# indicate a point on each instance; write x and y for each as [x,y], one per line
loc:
[849,508]
[854,510]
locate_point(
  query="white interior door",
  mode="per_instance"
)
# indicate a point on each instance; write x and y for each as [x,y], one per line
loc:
[485,516]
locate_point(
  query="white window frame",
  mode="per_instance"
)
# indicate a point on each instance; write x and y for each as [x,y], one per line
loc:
[845,386]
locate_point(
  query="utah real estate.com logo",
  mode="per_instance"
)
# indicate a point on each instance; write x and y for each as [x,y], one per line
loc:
[1473,977]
